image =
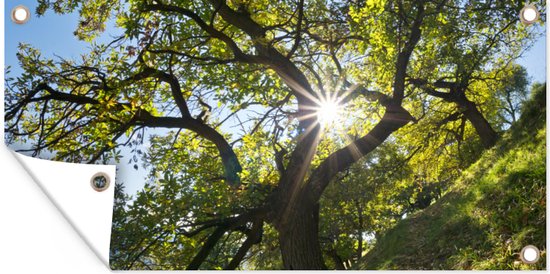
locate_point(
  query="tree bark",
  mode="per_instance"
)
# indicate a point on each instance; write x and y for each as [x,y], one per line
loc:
[486,133]
[297,217]
[299,239]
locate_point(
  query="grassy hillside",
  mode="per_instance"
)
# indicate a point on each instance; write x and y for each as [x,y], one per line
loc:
[495,209]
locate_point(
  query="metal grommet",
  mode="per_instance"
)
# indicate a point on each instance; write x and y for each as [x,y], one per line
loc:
[529,14]
[530,254]
[20,14]
[100,181]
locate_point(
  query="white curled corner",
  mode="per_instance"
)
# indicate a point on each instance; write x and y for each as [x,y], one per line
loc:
[68,187]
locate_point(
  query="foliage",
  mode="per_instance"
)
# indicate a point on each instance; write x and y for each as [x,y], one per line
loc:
[496,208]
[218,101]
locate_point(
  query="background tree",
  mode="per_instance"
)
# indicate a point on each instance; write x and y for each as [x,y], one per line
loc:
[282,73]
[513,91]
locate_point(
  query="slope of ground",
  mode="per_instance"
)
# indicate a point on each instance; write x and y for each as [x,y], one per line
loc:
[488,216]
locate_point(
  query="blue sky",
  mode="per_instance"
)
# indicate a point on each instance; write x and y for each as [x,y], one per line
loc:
[53,34]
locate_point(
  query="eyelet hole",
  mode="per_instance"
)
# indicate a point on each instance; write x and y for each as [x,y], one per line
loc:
[530,254]
[529,14]
[100,181]
[20,14]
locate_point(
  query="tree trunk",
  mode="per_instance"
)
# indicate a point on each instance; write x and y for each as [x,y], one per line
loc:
[487,134]
[299,239]
[297,214]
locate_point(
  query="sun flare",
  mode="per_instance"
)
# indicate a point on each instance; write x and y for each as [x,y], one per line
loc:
[328,112]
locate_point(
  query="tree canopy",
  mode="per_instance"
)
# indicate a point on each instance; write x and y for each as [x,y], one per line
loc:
[275,134]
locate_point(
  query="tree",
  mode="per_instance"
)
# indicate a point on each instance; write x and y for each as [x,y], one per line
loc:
[513,92]
[189,67]
[453,69]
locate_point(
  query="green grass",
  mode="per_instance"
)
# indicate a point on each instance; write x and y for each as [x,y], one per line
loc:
[496,208]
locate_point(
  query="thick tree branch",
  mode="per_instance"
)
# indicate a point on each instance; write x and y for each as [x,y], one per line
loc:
[394,118]
[371,95]
[229,158]
[144,118]
[298,38]
[228,224]
[237,52]
[470,109]
[174,87]
[238,19]
[207,60]
[430,89]
[405,54]
[254,237]
[450,118]
[422,84]
[207,247]
[289,73]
